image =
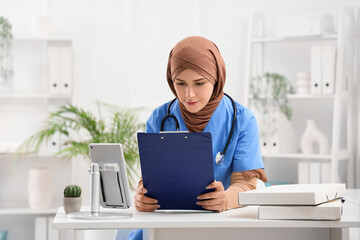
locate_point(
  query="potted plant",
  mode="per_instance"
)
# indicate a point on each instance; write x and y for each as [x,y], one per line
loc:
[72,199]
[79,128]
[6,71]
[269,93]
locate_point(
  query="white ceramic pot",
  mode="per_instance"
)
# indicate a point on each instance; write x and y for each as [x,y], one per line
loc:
[40,188]
[72,204]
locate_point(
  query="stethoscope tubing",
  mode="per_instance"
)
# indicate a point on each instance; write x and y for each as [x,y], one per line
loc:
[169,115]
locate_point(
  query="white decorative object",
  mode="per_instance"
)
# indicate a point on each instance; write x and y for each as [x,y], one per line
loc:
[303,83]
[312,136]
[40,188]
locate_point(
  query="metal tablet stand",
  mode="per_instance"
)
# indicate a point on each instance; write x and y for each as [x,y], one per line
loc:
[95,213]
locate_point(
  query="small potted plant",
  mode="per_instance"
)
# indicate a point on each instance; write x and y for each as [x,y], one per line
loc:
[72,199]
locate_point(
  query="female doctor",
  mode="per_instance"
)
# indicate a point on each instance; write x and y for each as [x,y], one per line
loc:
[196,76]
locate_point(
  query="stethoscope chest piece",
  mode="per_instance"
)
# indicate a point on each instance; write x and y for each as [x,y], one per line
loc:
[219,159]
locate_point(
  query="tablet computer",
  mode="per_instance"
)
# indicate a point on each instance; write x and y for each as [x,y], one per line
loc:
[176,167]
[114,186]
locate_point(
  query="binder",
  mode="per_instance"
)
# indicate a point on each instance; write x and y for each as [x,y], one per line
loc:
[328,68]
[316,73]
[66,70]
[54,69]
[176,167]
[303,172]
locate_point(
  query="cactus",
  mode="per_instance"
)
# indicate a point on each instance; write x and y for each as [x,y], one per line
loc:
[72,191]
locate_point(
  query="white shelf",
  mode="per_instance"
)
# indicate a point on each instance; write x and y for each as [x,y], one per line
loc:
[294,39]
[343,155]
[30,155]
[309,96]
[305,96]
[41,38]
[34,96]
[27,211]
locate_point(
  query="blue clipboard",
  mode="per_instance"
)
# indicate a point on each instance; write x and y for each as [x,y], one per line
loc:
[176,167]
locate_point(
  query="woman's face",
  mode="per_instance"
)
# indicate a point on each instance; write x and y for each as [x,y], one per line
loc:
[193,90]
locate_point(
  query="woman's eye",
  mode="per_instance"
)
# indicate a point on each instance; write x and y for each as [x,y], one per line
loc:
[180,84]
[199,84]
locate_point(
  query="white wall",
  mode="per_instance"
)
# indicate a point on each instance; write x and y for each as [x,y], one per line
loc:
[121,49]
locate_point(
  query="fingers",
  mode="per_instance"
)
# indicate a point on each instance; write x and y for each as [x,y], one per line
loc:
[144,203]
[145,207]
[218,193]
[217,185]
[141,189]
[214,201]
[210,202]
[218,207]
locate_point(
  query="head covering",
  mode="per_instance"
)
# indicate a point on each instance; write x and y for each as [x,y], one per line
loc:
[203,56]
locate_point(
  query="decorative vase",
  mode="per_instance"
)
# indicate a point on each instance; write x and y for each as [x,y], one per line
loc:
[303,83]
[72,204]
[40,188]
[312,136]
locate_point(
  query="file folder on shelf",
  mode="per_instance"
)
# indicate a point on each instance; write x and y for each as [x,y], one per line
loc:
[176,167]
[316,70]
[328,68]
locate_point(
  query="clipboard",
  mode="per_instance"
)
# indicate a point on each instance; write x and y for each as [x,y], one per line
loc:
[176,167]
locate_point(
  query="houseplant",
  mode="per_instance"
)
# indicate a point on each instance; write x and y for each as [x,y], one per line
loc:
[79,128]
[269,93]
[72,199]
[6,71]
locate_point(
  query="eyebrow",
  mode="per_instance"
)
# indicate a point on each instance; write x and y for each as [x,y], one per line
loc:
[196,80]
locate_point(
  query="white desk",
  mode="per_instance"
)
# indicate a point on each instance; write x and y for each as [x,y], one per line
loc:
[239,223]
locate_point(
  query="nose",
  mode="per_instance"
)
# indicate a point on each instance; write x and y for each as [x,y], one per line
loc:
[190,92]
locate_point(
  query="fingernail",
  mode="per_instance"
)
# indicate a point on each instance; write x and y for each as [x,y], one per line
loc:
[158,206]
[198,198]
[198,203]
[156,201]
[207,187]
[144,191]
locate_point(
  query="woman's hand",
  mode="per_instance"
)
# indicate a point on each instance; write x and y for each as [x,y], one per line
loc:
[216,200]
[144,203]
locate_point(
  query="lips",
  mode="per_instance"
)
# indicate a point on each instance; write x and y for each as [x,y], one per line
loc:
[191,103]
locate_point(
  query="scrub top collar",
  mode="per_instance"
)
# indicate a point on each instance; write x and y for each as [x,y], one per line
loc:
[175,109]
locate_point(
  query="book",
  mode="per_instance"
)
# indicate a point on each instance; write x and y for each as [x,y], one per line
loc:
[328,68]
[331,210]
[293,194]
[316,73]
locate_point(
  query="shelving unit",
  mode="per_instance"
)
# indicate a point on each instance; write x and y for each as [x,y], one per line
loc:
[27,211]
[344,40]
[32,51]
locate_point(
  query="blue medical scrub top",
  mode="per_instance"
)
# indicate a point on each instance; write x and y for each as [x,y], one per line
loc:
[243,152]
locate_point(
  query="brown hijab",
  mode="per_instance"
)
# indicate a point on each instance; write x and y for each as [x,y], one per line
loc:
[203,56]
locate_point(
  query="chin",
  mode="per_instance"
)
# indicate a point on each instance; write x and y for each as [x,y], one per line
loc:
[193,110]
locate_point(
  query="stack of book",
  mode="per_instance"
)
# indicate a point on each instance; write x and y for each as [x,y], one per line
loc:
[297,201]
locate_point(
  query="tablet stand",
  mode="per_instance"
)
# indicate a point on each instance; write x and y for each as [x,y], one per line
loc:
[95,213]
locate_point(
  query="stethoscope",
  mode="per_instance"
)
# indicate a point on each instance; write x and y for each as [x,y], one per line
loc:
[219,159]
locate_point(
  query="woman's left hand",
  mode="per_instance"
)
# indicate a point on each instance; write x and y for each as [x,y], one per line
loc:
[215,201]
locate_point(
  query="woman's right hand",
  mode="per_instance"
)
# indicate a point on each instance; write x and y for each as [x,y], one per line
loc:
[144,203]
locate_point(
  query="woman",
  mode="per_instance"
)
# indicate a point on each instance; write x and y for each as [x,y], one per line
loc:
[196,76]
